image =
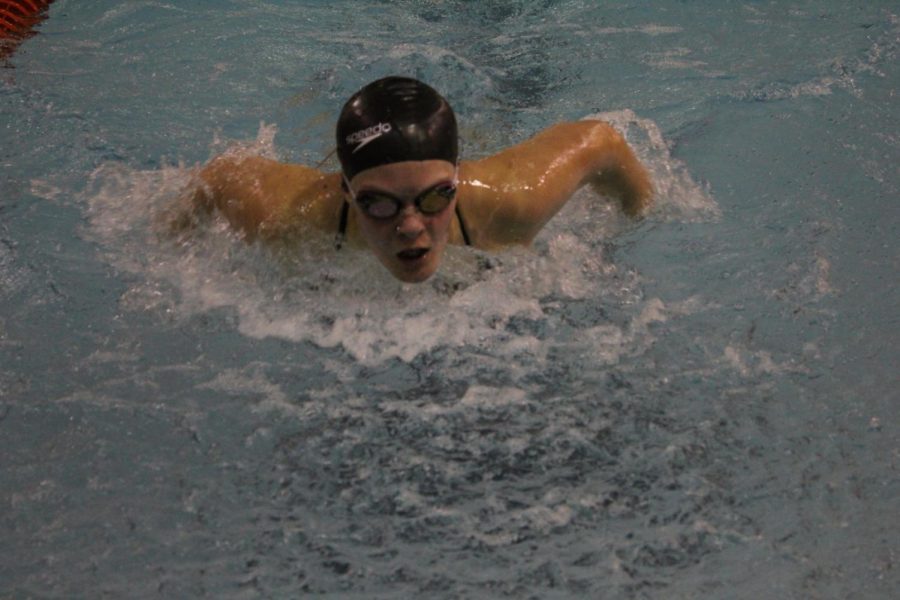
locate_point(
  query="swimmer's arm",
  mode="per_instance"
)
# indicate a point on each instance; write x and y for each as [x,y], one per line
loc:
[259,196]
[516,192]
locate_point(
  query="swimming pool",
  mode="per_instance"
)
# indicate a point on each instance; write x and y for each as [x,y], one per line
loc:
[700,404]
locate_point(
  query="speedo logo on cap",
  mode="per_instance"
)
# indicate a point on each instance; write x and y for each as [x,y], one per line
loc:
[367,135]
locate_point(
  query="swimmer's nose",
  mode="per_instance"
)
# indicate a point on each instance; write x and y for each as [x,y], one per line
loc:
[411,225]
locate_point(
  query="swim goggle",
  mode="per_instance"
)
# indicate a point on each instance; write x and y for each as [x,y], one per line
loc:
[381,205]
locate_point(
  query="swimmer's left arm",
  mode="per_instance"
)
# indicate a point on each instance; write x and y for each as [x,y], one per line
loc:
[513,194]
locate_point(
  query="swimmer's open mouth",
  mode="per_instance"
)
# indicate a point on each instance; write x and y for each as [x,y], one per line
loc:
[412,254]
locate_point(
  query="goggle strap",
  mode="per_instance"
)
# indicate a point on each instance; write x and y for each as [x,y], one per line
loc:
[347,186]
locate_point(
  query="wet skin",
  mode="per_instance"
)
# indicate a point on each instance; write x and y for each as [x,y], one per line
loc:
[410,244]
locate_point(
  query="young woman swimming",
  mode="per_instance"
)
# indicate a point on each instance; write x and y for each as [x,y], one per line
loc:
[404,193]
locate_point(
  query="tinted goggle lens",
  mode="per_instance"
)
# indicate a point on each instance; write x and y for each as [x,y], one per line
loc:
[383,206]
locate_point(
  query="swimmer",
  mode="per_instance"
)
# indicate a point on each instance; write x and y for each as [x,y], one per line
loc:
[402,190]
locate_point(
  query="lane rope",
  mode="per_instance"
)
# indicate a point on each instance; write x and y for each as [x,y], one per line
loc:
[17,17]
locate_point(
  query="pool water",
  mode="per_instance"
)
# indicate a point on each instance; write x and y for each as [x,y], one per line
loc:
[702,403]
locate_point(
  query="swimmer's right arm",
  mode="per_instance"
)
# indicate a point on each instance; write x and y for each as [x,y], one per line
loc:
[259,196]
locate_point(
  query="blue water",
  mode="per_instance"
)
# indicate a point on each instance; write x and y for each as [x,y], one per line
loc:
[700,404]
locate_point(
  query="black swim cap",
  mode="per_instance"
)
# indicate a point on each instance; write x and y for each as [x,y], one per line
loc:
[393,120]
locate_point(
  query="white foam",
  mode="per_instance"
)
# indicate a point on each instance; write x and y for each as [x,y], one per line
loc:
[607,344]
[484,397]
[674,58]
[251,381]
[12,276]
[750,363]
[651,29]
[809,280]
[46,190]
[437,54]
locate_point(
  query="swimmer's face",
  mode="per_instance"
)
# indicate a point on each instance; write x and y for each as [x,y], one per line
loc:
[411,243]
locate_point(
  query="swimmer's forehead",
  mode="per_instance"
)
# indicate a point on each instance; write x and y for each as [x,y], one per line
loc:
[406,174]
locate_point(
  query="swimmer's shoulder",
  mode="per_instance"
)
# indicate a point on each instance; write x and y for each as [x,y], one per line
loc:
[485,204]
[262,196]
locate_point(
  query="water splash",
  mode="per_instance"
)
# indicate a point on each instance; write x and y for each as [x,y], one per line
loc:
[679,197]
[506,302]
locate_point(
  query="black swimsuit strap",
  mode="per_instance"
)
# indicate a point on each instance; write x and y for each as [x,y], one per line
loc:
[342,226]
[462,226]
[345,213]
